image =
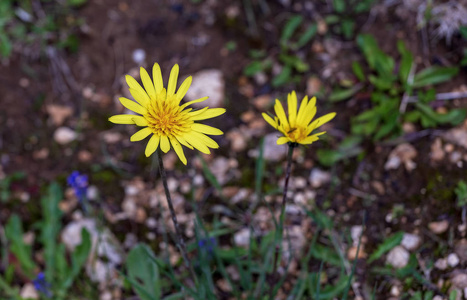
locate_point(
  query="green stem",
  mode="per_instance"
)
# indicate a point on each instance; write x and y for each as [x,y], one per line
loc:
[179,241]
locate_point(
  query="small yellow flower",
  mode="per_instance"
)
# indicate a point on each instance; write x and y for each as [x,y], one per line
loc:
[297,128]
[162,116]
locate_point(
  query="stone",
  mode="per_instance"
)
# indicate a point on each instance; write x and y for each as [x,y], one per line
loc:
[441,264]
[402,154]
[398,257]
[459,280]
[28,291]
[439,227]
[272,151]
[453,260]
[242,237]
[138,56]
[207,83]
[319,177]
[355,233]
[64,135]
[411,241]
[58,113]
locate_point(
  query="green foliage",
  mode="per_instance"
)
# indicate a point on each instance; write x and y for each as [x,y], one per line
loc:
[386,246]
[19,23]
[345,13]
[461,193]
[5,184]
[383,120]
[59,273]
[143,272]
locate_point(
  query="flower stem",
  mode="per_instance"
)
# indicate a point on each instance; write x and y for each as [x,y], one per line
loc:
[279,232]
[180,241]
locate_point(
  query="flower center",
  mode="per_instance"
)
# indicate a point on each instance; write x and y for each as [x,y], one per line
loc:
[165,117]
[296,134]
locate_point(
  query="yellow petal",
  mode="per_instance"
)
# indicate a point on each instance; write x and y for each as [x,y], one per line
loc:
[205,139]
[140,121]
[312,138]
[147,82]
[282,140]
[141,134]
[122,119]
[280,113]
[132,105]
[270,120]
[178,149]
[196,142]
[165,145]
[183,142]
[172,85]
[152,145]
[292,108]
[157,77]
[183,89]
[206,129]
[323,120]
[193,101]
[309,114]
[140,96]
[302,108]
[208,114]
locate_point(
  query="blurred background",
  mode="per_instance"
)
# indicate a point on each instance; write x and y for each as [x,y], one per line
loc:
[394,71]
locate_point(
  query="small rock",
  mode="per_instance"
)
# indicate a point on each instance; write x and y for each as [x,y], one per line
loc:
[41,154]
[411,241]
[64,135]
[439,227]
[139,55]
[58,113]
[237,140]
[207,83]
[220,167]
[403,153]
[441,264]
[457,136]
[313,86]
[461,250]
[398,257]
[272,151]
[437,152]
[459,280]
[352,252]
[106,295]
[437,297]
[242,237]
[453,260]
[28,291]
[319,177]
[355,233]
[262,102]
[112,137]
[395,291]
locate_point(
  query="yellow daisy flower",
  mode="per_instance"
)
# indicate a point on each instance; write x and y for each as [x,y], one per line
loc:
[298,126]
[162,116]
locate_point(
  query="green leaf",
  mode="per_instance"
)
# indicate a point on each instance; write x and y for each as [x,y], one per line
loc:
[283,77]
[78,258]
[320,218]
[5,45]
[380,83]
[339,5]
[290,27]
[348,27]
[50,227]
[463,31]
[339,95]
[253,68]
[434,75]
[358,71]
[14,233]
[306,36]
[326,254]
[453,117]
[386,246]
[143,272]
[77,2]
[406,63]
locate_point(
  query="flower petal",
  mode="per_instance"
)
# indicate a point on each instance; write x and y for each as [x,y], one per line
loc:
[178,149]
[280,113]
[206,129]
[165,145]
[302,108]
[157,77]
[141,134]
[147,83]
[292,108]
[270,120]
[323,120]
[122,119]
[205,139]
[208,114]
[152,145]
[172,85]
[140,96]
[282,140]
[133,106]
[183,89]
[140,121]
[183,141]
[194,140]
[193,101]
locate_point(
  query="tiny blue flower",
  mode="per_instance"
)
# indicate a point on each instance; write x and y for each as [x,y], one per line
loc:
[207,244]
[41,285]
[79,183]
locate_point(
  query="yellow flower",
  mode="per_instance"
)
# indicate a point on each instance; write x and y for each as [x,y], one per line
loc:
[162,116]
[298,126]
